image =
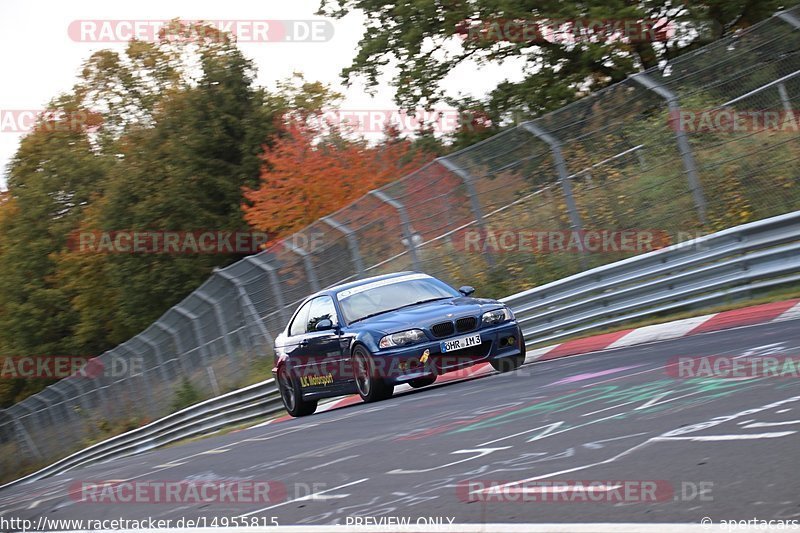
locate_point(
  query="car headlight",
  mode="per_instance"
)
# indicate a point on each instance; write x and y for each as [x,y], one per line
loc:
[495,317]
[402,338]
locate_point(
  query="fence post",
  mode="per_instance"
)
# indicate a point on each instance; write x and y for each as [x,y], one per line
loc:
[794,21]
[22,435]
[475,204]
[223,330]
[176,338]
[352,242]
[408,232]
[78,391]
[198,333]
[145,339]
[561,168]
[309,266]
[148,388]
[788,17]
[261,264]
[689,164]
[247,305]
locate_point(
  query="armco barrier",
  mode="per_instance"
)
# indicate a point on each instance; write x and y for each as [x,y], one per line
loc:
[699,272]
[702,271]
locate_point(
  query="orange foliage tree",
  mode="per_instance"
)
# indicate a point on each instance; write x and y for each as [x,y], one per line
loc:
[304,178]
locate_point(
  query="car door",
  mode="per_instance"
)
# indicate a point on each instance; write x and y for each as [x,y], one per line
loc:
[295,335]
[323,366]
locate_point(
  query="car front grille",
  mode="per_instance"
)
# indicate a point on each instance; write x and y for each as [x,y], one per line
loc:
[443,329]
[466,323]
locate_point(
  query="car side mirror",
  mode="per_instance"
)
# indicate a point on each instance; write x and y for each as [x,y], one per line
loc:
[466,290]
[324,324]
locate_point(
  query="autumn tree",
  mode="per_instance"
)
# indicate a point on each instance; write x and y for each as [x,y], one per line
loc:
[309,173]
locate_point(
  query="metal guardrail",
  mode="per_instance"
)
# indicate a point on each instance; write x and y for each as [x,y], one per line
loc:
[703,271]
[698,272]
[236,407]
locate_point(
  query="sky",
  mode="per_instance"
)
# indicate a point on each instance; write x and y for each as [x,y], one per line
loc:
[42,57]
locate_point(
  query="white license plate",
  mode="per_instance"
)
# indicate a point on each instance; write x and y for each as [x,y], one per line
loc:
[461,343]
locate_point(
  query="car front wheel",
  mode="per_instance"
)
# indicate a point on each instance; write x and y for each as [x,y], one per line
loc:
[292,396]
[371,386]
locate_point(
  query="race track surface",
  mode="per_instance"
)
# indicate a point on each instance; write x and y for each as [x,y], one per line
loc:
[718,448]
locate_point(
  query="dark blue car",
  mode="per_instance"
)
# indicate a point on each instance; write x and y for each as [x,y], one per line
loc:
[370,335]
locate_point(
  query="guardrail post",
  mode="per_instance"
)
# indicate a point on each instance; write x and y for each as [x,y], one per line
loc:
[260,263]
[247,306]
[689,164]
[352,242]
[408,232]
[475,205]
[309,266]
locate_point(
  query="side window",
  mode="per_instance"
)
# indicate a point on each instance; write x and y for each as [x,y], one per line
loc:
[321,307]
[298,326]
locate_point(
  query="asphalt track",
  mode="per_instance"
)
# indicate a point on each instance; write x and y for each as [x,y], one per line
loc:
[725,448]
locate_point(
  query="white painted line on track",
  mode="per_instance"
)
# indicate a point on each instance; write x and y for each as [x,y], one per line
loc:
[717,438]
[771,424]
[304,498]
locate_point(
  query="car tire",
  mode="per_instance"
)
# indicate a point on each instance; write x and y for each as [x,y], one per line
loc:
[418,383]
[371,387]
[292,396]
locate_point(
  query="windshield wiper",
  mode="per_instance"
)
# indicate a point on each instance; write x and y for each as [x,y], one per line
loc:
[396,308]
[423,302]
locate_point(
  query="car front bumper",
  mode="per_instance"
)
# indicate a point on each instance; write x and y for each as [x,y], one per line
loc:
[401,365]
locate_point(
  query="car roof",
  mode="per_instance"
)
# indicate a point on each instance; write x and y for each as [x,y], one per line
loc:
[336,288]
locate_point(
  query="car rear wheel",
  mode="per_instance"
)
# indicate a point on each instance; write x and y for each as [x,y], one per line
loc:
[371,386]
[422,382]
[292,396]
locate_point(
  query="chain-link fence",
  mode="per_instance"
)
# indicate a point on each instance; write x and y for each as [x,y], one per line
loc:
[662,151]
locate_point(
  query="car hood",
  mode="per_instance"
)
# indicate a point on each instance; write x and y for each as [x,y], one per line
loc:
[425,315]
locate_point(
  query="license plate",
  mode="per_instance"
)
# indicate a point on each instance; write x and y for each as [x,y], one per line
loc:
[460,343]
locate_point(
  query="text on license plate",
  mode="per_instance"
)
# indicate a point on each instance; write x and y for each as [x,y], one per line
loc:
[461,343]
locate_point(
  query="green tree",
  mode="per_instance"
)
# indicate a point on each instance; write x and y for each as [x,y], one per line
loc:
[425,40]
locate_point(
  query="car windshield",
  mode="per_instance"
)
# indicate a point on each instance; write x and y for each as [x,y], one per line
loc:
[383,296]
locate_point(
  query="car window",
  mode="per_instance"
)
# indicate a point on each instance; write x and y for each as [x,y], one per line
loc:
[321,307]
[385,297]
[298,326]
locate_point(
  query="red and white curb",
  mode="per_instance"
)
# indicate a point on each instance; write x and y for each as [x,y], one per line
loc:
[747,316]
